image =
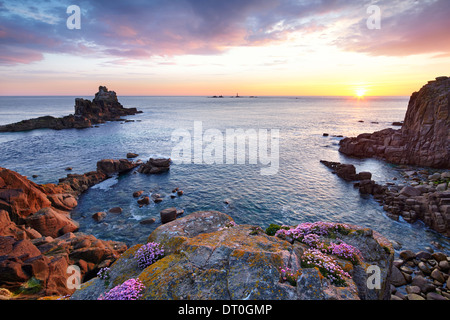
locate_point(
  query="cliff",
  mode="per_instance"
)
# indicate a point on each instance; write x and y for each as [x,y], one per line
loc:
[104,107]
[423,140]
[208,257]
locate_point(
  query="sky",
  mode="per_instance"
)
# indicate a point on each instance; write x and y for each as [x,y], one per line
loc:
[223,47]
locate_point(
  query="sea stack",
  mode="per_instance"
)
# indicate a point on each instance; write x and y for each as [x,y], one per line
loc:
[104,107]
[423,140]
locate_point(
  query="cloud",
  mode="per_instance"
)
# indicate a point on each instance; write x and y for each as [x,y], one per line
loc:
[416,27]
[14,56]
[26,35]
[141,29]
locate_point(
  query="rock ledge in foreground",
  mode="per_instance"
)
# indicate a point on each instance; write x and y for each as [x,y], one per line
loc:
[209,257]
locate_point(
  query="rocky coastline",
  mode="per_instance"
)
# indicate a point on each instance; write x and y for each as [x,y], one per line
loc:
[104,107]
[422,148]
[38,238]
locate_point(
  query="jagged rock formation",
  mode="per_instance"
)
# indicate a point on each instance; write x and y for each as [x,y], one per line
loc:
[37,236]
[208,257]
[104,107]
[424,138]
[346,171]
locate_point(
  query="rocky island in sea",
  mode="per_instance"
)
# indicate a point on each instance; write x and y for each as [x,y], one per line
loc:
[104,107]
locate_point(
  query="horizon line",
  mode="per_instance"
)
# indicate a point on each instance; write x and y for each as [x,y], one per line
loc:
[213,97]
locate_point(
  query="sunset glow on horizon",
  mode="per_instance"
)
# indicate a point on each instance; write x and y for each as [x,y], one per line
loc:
[205,48]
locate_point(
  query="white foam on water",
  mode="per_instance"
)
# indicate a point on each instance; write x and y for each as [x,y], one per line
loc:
[107,184]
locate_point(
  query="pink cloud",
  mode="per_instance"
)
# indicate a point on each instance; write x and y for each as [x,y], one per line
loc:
[14,56]
[423,28]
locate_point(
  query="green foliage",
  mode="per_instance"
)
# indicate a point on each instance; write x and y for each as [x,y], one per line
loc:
[287,275]
[32,286]
[256,230]
[440,181]
[272,229]
[342,229]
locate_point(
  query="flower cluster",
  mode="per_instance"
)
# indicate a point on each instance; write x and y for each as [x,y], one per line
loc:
[326,265]
[345,251]
[103,273]
[288,275]
[149,254]
[312,240]
[129,290]
[310,234]
[297,233]
[320,228]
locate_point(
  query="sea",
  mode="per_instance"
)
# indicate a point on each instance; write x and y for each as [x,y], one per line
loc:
[297,189]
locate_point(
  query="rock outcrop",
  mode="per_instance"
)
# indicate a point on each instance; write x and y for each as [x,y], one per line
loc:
[37,236]
[423,140]
[208,256]
[346,171]
[155,166]
[104,107]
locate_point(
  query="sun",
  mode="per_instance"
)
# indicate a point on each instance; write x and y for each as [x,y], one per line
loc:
[360,93]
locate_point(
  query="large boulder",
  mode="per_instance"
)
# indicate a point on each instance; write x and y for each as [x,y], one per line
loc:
[168,215]
[12,256]
[344,171]
[208,256]
[155,166]
[109,166]
[424,138]
[49,222]
[20,196]
[63,201]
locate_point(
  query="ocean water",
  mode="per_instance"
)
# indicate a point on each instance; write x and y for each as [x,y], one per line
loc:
[302,190]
